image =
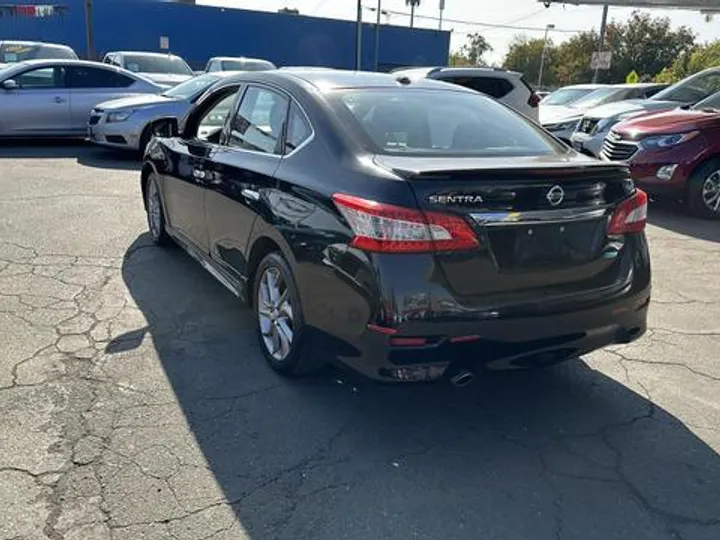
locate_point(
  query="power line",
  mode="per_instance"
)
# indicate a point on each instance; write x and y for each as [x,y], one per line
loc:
[486,25]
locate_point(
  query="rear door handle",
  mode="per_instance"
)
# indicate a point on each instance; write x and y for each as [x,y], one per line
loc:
[250,194]
[58,99]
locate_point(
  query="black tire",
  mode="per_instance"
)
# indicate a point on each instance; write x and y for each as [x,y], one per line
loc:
[157,228]
[296,361]
[708,172]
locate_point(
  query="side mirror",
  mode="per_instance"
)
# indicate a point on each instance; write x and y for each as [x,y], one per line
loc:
[167,127]
[10,84]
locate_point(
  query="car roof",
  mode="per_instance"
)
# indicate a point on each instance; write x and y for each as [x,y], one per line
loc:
[638,85]
[34,43]
[239,58]
[459,70]
[332,79]
[583,86]
[144,53]
[64,61]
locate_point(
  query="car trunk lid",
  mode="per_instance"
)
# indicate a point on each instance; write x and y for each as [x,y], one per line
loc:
[541,223]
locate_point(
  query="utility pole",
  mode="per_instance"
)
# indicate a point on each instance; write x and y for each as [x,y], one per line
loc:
[603,27]
[377,36]
[442,8]
[542,54]
[358,37]
[89,29]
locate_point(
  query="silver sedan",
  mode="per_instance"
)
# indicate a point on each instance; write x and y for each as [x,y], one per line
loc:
[127,123]
[53,98]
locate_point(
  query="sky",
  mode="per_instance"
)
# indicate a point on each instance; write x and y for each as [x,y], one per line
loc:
[462,17]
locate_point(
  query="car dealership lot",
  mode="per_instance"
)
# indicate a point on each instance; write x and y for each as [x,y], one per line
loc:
[136,404]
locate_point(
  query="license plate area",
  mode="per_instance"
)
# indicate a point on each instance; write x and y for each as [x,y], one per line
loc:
[533,246]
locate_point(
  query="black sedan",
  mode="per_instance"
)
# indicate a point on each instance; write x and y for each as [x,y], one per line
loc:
[411,230]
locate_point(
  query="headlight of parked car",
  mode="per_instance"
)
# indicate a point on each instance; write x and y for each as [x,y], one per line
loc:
[119,116]
[663,141]
[562,126]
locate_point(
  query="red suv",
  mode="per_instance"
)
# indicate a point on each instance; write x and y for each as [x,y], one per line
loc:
[674,153]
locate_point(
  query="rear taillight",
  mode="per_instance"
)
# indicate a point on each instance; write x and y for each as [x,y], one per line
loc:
[534,100]
[388,228]
[631,215]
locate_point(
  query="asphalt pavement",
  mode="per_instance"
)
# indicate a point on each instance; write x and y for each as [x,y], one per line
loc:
[135,404]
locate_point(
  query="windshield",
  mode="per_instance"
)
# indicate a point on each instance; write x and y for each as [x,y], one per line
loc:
[712,102]
[692,89]
[156,64]
[247,65]
[193,87]
[11,53]
[565,96]
[598,97]
[439,123]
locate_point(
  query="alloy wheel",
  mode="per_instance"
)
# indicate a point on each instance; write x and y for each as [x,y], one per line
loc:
[275,313]
[154,210]
[711,192]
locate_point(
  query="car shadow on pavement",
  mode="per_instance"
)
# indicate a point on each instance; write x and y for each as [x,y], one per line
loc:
[85,154]
[672,216]
[562,453]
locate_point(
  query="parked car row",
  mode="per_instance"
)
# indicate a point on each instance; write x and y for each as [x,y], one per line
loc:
[669,140]
[46,91]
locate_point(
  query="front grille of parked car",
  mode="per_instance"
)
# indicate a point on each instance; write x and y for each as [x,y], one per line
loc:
[94,119]
[616,149]
[588,125]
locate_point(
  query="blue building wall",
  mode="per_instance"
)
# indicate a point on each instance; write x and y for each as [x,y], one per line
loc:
[199,32]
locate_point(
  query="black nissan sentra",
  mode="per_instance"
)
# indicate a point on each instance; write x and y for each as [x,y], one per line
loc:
[411,230]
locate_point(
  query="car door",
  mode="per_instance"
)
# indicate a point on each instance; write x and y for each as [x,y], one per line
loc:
[186,182]
[243,173]
[40,105]
[91,85]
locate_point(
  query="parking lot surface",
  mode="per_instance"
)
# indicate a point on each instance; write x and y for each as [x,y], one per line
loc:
[135,404]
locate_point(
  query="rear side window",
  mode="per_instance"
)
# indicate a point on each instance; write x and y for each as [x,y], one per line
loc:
[90,77]
[491,86]
[298,130]
[439,123]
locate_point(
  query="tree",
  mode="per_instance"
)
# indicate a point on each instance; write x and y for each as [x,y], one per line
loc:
[647,45]
[571,59]
[524,56]
[474,49]
[632,77]
[413,4]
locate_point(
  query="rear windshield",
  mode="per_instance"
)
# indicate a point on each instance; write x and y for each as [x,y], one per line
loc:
[247,65]
[565,96]
[440,123]
[156,64]
[692,89]
[11,53]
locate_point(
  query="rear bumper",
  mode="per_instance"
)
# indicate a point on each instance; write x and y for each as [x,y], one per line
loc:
[500,344]
[407,301]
